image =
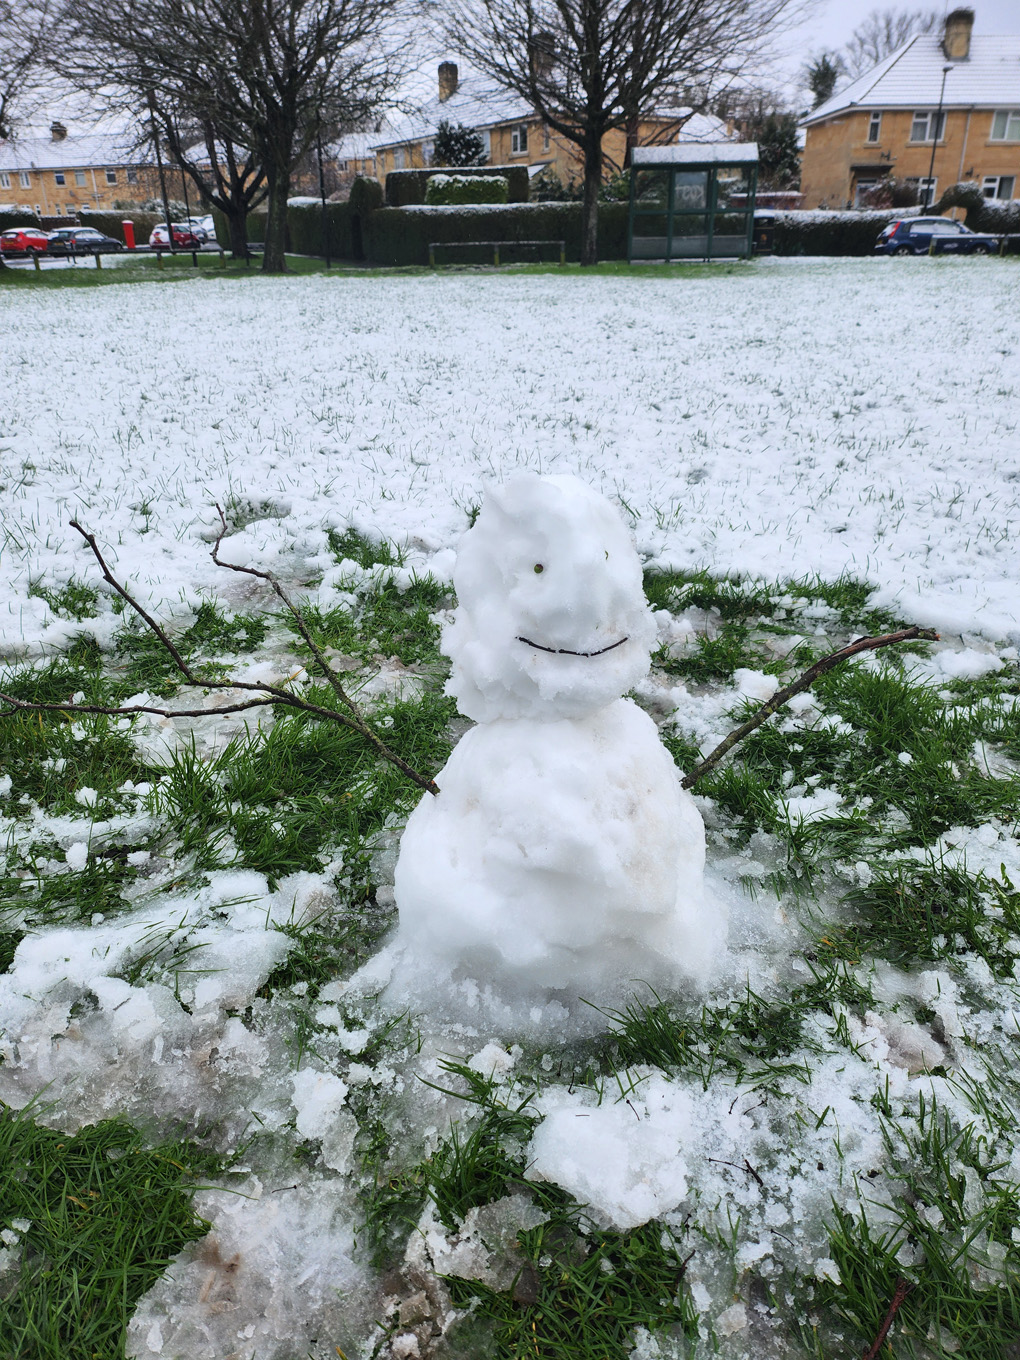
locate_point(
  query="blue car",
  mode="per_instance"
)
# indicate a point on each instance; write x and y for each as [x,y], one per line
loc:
[919,235]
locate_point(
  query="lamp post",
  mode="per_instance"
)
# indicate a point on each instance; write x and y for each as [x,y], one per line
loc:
[322,189]
[930,192]
[159,165]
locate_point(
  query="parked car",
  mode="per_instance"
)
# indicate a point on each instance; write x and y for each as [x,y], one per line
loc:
[184,237]
[202,227]
[82,241]
[23,241]
[914,235]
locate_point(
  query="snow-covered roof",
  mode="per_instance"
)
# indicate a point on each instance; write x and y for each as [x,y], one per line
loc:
[697,153]
[71,152]
[476,103]
[912,78]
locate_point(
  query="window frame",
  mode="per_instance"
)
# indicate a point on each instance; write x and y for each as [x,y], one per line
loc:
[79,178]
[132,175]
[875,127]
[24,179]
[995,182]
[1009,116]
[5,179]
[111,176]
[932,117]
[59,178]
[519,139]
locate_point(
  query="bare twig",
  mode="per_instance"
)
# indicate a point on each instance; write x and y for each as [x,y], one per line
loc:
[333,680]
[267,695]
[903,1288]
[803,682]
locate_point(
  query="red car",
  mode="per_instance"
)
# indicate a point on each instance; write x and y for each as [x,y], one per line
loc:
[23,241]
[184,237]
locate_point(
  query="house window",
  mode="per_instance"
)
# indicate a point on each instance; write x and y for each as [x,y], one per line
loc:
[25,178]
[1006,125]
[111,177]
[59,177]
[922,129]
[399,158]
[132,177]
[5,180]
[38,210]
[998,186]
[487,146]
[79,177]
[925,189]
[519,140]
[864,187]
[875,127]
[545,139]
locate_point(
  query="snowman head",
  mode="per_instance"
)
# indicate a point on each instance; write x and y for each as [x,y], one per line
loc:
[552,621]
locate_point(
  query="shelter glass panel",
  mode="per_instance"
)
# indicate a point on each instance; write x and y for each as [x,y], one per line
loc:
[690,191]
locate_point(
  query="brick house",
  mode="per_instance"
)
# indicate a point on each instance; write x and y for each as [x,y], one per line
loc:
[513,133]
[59,175]
[947,93]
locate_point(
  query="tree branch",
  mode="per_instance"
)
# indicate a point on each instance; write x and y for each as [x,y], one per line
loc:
[803,682]
[903,1288]
[270,695]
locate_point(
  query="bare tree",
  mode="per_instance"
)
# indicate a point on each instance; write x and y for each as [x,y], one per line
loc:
[589,66]
[882,32]
[263,75]
[25,30]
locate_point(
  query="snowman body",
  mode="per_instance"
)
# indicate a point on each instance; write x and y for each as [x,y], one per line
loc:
[561,858]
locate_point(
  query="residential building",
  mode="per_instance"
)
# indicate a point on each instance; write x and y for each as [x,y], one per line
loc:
[59,175]
[512,132]
[945,107]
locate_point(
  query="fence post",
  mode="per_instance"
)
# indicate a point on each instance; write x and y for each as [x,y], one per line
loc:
[35,260]
[159,259]
[432,256]
[99,259]
[495,253]
[563,252]
[223,258]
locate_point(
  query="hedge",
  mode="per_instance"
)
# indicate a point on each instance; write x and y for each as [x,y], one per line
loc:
[111,223]
[256,228]
[17,219]
[307,237]
[831,233]
[405,188]
[456,189]
[401,236]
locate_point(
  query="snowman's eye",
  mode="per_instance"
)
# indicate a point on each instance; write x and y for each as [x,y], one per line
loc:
[539,568]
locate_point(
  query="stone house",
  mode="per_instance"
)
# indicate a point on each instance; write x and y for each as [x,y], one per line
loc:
[945,107]
[513,134]
[59,175]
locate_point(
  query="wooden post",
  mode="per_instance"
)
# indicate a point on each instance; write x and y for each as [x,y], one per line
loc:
[35,260]
[563,252]
[495,253]
[99,259]
[432,256]
[223,258]
[159,259]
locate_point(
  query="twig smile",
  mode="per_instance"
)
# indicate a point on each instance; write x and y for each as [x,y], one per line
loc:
[565,651]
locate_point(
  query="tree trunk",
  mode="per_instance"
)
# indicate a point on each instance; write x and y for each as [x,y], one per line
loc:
[274,260]
[590,206]
[237,225]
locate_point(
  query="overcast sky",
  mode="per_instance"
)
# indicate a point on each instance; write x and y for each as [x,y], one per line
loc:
[833,21]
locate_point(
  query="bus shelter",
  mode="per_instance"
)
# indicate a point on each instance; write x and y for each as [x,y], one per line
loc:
[692,201]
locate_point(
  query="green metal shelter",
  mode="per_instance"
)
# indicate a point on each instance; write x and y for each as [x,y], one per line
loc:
[692,201]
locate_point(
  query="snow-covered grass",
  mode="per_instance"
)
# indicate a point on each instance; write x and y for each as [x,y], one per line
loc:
[749,1172]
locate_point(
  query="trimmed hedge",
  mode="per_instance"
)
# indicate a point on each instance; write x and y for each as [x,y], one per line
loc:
[366,194]
[405,188]
[111,223]
[455,189]
[401,236]
[17,219]
[307,237]
[831,233]
[256,228]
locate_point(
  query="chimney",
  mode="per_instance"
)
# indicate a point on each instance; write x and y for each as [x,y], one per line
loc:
[447,80]
[57,131]
[543,50]
[956,38]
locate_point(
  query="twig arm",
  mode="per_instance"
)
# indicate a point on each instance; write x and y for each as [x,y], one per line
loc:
[803,682]
[903,1288]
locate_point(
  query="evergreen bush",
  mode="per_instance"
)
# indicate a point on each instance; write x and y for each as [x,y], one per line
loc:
[406,188]
[453,189]
[306,229]
[999,216]
[401,236]
[830,233]
[18,219]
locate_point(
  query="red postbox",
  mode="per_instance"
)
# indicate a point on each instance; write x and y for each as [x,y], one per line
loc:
[129,234]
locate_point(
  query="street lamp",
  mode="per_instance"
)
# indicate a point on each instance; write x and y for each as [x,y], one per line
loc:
[930,191]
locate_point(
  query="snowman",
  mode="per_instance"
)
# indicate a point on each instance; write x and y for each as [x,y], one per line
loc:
[561,859]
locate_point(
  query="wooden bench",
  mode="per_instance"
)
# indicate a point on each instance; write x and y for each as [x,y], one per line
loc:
[495,247]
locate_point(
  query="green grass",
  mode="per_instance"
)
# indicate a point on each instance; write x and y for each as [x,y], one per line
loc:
[106,1211]
[304,794]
